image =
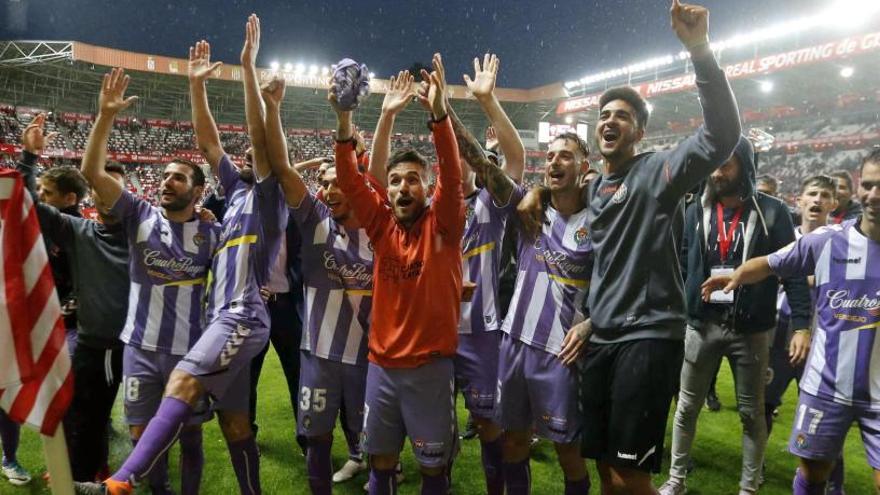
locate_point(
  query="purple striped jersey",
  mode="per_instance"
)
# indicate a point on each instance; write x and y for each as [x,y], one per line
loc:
[337,270]
[844,361]
[168,263]
[481,262]
[553,277]
[253,227]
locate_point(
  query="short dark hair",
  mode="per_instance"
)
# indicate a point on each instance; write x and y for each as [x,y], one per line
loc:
[114,168]
[582,145]
[198,175]
[67,180]
[843,174]
[631,96]
[406,155]
[822,181]
[873,157]
[768,179]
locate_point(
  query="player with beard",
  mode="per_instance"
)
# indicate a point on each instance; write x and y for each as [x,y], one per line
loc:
[219,361]
[337,269]
[636,298]
[545,328]
[847,207]
[839,383]
[170,250]
[729,225]
[417,262]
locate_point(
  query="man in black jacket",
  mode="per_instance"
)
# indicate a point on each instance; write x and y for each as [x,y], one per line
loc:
[729,225]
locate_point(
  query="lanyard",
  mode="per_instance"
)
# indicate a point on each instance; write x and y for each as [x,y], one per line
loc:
[725,238]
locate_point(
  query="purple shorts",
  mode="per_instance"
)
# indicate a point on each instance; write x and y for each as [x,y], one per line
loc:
[476,371]
[144,376]
[820,428]
[221,358]
[535,388]
[419,402]
[324,386]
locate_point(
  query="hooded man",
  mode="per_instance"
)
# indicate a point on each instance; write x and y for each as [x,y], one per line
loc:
[730,224]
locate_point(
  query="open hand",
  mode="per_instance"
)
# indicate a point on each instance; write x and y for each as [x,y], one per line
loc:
[690,23]
[200,66]
[726,283]
[491,138]
[575,342]
[400,92]
[483,83]
[112,99]
[251,42]
[33,139]
[432,93]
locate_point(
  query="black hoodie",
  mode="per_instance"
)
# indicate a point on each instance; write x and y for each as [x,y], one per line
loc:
[767,228]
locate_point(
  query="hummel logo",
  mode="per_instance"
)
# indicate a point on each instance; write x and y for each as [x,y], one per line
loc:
[848,261]
[629,457]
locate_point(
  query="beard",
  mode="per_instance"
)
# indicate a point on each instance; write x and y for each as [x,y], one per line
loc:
[179,202]
[723,188]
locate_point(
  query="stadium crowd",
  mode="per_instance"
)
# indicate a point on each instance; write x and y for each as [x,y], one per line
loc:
[391,273]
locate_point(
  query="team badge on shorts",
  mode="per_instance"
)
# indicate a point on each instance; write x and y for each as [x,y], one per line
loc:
[580,236]
[801,441]
[307,422]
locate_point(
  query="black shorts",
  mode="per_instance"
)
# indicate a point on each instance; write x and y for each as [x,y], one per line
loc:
[781,374]
[626,391]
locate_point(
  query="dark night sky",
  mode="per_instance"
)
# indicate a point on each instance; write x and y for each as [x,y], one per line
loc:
[539,42]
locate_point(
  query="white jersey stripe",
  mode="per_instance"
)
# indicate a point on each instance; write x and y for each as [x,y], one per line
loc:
[154,318]
[306,342]
[815,363]
[133,291]
[847,347]
[874,368]
[218,284]
[145,228]
[355,332]
[857,249]
[329,320]
[190,229]
[322,231]
[180,342]
[536,305]
[364,251]
[242,261]
[823,265]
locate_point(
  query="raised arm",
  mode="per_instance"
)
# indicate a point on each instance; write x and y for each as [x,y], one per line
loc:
[253,102]
[368,207]
[400,93]
[33,142]
[276,146]
[111,101]
[448,199]
[483,89]
[207,136]
[493,178]
[697,157]
[311,164]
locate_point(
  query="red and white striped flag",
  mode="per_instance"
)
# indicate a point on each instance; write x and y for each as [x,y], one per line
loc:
[34,363]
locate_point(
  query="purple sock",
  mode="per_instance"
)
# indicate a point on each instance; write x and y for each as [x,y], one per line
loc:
[192,459]
[579,487]
[160,434]
[435,485]
[10,432]
[246,462]
[490,453]
[354,444]
[383,482]
[835,479]
[517,477]
[318,465]
[157,478]
[802,487]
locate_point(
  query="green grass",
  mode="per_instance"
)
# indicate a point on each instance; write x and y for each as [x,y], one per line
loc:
[716,453]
